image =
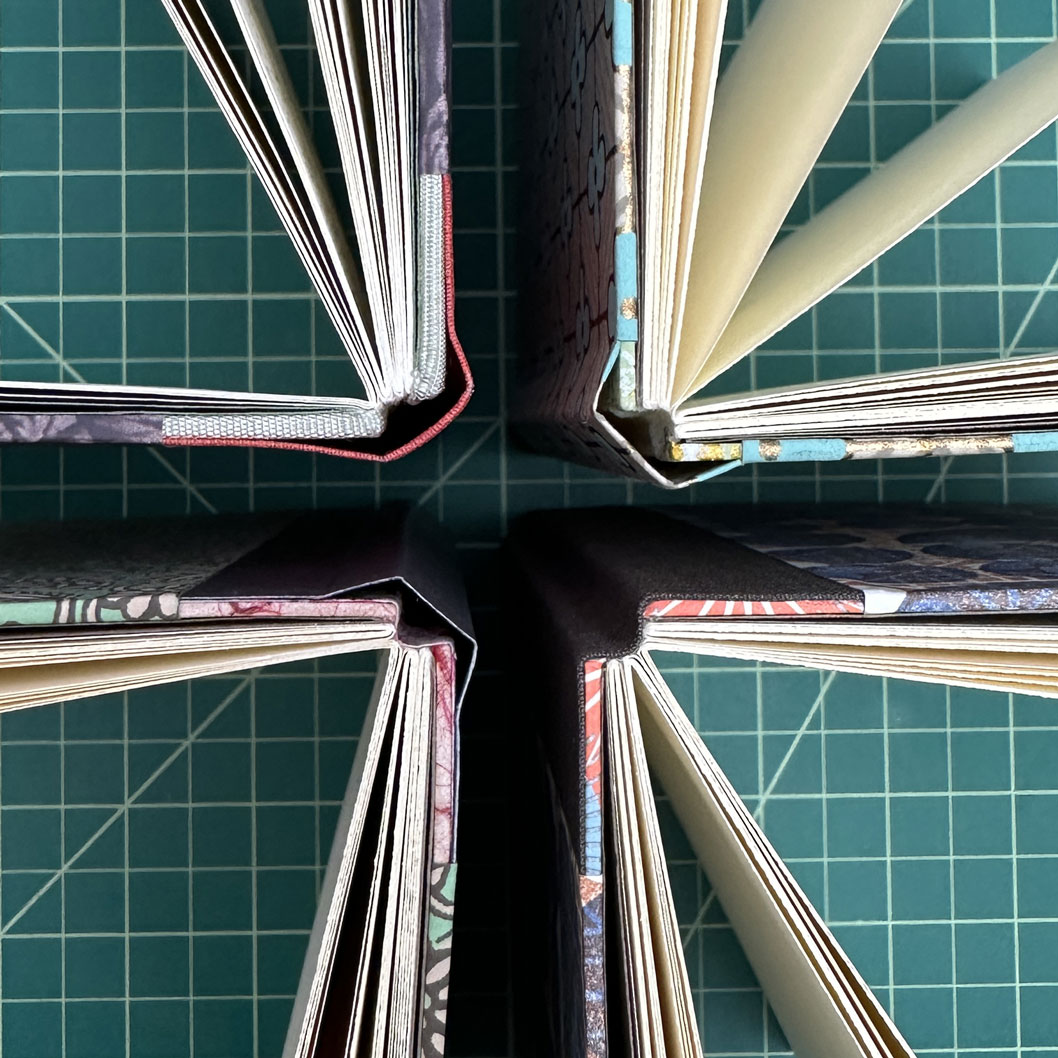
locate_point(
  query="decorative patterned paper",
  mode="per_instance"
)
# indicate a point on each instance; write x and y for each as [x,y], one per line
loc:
[433,50]
[592,851]
[116,571]
[444,753]
[80,428]
[438,967]
[318,609]
[565,888]
[438,961]
[591,881]
[592,912]
[1006,558]
[731,608]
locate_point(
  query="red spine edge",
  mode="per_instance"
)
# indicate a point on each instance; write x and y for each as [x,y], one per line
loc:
[458,385]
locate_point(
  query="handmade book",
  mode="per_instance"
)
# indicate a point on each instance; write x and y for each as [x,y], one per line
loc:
[376,242]
[658,190]
[961,597]
[95,607]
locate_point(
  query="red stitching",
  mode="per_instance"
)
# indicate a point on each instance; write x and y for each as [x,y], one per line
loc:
[426,435]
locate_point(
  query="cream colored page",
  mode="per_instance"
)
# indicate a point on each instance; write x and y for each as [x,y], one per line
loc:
[316,971]
[646,1029]
[776,104]
[680,1023]
[271,70]
[665,99]
[904,386]
[105,643]
[366,1013]
[1002,633]
[890,203]
[44,684]
[335,33]
[287,196]
[389,76]
[378,1001]
[414,898]
[997,656]
[994,673]
[801,990]
[701,73]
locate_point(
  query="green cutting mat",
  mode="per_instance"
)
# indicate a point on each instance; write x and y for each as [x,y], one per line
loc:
[159,852]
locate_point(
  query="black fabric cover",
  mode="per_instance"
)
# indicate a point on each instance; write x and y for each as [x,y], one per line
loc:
[576,585]
[396,549]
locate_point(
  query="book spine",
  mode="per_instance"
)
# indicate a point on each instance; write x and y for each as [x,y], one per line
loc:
[431,337]
[624,395]
[576,203]
[294,426]
[837,449]
[592,895]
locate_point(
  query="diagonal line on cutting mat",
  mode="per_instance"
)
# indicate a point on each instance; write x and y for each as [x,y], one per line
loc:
[1004,354]
[447,475]
[122,809]
[78,377]
[1037,300]
[699,919]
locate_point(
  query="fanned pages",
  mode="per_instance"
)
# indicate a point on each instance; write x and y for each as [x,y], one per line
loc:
[647,914]
[965,596]
[89,608]
[825,1007]
[884,207]
[379,254]
[776,105]
[677,260]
